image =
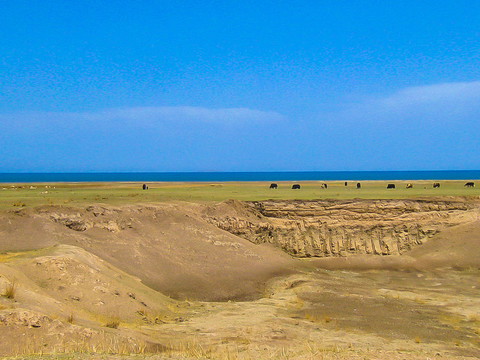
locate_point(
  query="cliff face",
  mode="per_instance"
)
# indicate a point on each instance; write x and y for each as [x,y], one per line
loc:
[339,228]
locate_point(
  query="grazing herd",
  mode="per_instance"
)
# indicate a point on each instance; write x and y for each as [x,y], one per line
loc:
[470,184]
[323,186]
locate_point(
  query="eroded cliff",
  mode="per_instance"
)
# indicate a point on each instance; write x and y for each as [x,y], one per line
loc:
[338,228]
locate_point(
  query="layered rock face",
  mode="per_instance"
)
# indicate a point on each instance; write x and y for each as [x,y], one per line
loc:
[339,228]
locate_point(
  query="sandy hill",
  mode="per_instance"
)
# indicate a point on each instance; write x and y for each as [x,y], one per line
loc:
[63,295]
[169,247]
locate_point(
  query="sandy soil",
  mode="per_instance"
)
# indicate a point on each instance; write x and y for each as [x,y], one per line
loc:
[161,281]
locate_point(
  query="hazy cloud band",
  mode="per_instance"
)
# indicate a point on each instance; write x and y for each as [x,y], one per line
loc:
[151,115]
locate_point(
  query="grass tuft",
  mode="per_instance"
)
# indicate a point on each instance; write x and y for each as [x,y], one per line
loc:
[192,349]
[10,290]
[113,323]
[70,319]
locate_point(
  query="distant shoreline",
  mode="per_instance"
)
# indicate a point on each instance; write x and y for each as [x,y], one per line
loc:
[201,177]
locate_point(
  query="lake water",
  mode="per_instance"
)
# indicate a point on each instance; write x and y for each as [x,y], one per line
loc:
[238,176]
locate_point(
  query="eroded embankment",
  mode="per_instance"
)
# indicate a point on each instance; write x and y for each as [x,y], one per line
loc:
[183,250]
[98,275]
[320,228]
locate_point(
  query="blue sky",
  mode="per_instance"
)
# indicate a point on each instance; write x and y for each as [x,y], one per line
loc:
[239,86]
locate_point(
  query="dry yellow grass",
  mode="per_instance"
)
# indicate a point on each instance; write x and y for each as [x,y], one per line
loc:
[317,317]
[10,290]
[473,317]
[113,323]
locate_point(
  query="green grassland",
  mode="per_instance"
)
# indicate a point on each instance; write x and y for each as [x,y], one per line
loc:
[28,195]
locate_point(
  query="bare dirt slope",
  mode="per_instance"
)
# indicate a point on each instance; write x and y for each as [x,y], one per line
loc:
[229,250]
[457,246]
[167,246]
[96,279]
[65,297]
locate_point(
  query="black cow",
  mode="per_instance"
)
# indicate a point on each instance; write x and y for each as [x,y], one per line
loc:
[469,184]
[273,186]
[323,186]
[346,183]
[390,186]
[436,185]
[296,186]
[409,186]
[359,185]
[144,187]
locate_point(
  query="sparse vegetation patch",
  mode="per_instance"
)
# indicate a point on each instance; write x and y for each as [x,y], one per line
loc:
[10,290]
[113,323]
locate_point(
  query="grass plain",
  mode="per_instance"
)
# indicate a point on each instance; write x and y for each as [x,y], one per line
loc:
[31,195]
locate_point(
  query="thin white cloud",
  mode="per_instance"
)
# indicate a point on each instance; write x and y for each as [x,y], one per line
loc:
[190,113]
[455,101]
[150,115]
[457,92]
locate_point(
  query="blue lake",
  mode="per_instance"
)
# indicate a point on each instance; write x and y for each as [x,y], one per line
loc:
[238,176]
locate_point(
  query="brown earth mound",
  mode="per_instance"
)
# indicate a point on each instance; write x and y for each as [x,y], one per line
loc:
[458,247]
[66,299]
[167,246]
